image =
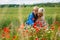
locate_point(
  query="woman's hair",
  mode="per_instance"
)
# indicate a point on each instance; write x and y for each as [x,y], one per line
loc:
[41,11]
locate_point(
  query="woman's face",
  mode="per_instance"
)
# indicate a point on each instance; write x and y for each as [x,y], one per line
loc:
[40,14]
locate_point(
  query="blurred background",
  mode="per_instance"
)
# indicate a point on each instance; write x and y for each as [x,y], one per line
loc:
[15,12]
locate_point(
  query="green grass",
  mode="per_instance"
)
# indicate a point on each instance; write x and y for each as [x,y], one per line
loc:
[16,15]
[49,12]
[12,13]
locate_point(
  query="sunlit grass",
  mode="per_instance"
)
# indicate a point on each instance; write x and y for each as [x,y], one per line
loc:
[14,19]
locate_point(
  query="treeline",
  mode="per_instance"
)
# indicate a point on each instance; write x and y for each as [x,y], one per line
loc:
[46,5]
[40,4]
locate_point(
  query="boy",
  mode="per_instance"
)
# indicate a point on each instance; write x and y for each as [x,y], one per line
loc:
[33,16]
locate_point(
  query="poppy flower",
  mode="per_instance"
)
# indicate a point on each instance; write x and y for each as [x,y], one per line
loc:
[7,36]
[34,25]
[22,26]
[40,24]
[14,37]
[53,27]
[3,35]
[6,30]
[36,39]
[59,28]
[37,29]
[26,30]
[37,24]
[43,39]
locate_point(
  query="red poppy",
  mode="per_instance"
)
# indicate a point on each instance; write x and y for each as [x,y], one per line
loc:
[53,27]
[26,30]
[22,26]
[40,24]
[6,30]
[7,36]
[35,24]
[43,39]
[59,28]
[3,35]
[37,29]
[36,39]
[14,37]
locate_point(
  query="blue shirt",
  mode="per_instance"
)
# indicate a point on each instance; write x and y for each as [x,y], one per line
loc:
[30,20]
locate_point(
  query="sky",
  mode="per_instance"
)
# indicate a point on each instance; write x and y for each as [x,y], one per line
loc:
[26,1]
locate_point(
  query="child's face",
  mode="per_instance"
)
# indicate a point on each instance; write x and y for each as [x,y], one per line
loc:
[35,11]
[40,14]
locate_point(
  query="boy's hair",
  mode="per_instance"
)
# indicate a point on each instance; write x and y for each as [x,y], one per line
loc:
[35,7]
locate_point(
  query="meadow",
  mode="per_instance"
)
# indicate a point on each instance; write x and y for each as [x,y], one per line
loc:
[11,19]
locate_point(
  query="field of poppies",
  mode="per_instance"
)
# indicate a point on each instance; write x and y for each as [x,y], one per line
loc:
[12,24]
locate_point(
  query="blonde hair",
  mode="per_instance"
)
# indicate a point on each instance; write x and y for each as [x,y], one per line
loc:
[35,7]
[41,10]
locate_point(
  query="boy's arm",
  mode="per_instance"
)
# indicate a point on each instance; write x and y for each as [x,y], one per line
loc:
[30,21]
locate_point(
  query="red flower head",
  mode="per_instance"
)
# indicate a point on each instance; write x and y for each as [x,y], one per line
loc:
[34,25]
[40,24]
[37,24]
[7,36]
[6,30]
[36,39]
[59,28]
[52,27]
[22,26]
[43,38]
[3,35]
[37,29]
[14,37]
[26,30]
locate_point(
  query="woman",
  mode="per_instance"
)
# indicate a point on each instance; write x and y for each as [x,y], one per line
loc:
[40,22]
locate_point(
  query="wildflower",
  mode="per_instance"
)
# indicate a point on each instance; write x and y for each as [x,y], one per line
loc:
[36,39]
[37,29]
[37,24]
[22,26]
[43,39]
[7,36]
[3,35]
[40,24]
[45,27]
[14,37]
[52,27]
[34,25]
[59,28]
[6,30]
[26,30]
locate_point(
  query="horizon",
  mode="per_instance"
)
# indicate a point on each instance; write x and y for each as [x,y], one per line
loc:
[21,2]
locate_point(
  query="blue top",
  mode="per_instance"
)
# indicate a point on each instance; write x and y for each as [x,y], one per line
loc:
[30,20]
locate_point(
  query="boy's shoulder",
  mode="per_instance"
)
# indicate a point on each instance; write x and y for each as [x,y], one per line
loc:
[31,14]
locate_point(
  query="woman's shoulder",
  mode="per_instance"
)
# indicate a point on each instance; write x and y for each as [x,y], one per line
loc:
[42,18]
